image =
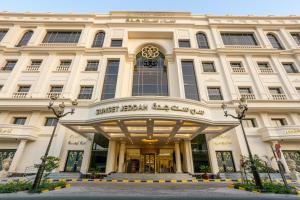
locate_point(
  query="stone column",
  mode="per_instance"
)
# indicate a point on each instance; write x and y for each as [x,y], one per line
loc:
[111,154]
[86,155]
[187,146]
[178,158]
[17,157]
[121,157]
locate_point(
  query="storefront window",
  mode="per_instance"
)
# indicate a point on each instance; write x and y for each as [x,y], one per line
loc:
[225,161]
[99,154]
[200,154]
[294,155]
[6,153]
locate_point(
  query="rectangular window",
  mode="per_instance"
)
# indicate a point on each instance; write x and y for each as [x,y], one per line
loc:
[2,34]
[56,88]
[275,90]
[62,37]
[225,161]
[278,122]
[24,88]
[296,37]
[247,39]
[51,121]
[92,65]
[249,123]
[189,79]
[290,68]
[36,63]
[297,88]
[245,90]
[86,92]
[66,63]
[214,93]
[110,80]
[208,67]
[19,120]
[116,43]
[1,86]
[184,43]
[9,66]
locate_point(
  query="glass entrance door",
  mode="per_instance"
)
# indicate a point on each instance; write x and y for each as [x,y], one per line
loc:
[149,163]
[74,161]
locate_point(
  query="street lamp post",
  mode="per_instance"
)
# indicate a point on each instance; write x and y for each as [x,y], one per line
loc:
[59,113]
[242,109]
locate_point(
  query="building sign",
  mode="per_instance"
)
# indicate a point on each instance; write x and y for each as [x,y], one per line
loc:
[293,131]
[151,20]
[145,107]
[5,130]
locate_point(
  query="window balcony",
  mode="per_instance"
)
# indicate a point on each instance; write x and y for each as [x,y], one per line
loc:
[266,71]
[290,132]
[248,96]
[58,44]
[62,68]
[18,132]
[20,95]
[238,69]
[32,68]
[279,97]
[53,94]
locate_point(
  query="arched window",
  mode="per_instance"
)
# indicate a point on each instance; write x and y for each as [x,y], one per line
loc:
[99,39]
[202,41]
[150,73]
[274,41]
[25,39]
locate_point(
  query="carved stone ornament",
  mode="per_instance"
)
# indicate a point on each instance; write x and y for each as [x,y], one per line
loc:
[150,52]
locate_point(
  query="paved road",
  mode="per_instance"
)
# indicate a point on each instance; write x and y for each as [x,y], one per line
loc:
[145,191]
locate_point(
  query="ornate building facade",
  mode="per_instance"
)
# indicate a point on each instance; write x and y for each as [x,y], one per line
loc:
[149,87]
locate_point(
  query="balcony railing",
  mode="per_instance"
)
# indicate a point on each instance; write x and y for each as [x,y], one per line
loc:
[242,46]
[238,69]
[58,44]
[20,95]
[62,68]
[266,70]
[53,94]
[32,68]
[290,132]
[248,96]
[279,96]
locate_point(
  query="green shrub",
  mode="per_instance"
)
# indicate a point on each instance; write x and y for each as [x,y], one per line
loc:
[268,188]
[15,186]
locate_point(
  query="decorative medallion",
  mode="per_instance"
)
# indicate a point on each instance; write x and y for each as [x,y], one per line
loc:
[150,52]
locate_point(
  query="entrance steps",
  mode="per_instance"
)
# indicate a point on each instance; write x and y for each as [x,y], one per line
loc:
[145,176]
[64,175]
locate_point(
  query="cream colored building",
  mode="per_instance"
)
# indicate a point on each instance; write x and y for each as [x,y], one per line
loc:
[150,87]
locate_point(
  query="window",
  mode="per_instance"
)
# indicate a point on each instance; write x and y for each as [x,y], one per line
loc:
[202,41]
[297,88]
[1,86]
[296,37]
[86,92]
[278,122]
[25,39]
[292,154]
[9,66]
[116,43]
[208,67]
[189,79]
[237,67]
[62,37]
[274,41]
[56,88]
[239,39]
[6,153]
[214,93]
[99,153]
[24,88]
[249,123]
[36,63]
[275,90]
[150,76]
[245,90]
[99,39]
[92,65]
[19,120]
[200,154]
[184,43]
[64,65]
[2,34]
[290,68]
[51,121]
[264,67]
[225,161]
[110,80]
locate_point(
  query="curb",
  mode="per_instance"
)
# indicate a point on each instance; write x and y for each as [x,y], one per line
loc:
[57,188]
